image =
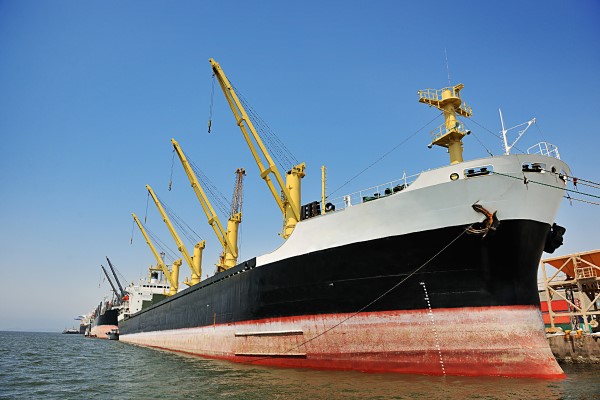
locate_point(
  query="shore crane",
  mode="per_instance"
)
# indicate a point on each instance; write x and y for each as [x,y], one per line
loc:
[228,238]
[172,276]
[195,262]
[288,197]
[116,279]
[117,294]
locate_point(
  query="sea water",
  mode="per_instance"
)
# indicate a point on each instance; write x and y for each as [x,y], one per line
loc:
[57,366]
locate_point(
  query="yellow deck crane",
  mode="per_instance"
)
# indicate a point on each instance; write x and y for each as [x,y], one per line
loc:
[195,262]
[288,196]
[227,238]
[172,276]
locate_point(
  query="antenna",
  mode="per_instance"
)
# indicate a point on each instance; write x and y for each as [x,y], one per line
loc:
[505,131]
[447,67]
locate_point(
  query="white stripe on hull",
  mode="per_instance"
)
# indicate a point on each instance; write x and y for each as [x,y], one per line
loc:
[433,201]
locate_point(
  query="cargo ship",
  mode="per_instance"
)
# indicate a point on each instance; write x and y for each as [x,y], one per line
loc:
[104,319]
[436,274]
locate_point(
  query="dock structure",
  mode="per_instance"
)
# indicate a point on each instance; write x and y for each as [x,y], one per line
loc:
[576,281]
[571,306]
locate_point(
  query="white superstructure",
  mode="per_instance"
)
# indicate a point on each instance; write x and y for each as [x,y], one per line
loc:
[145,290]
[514,186]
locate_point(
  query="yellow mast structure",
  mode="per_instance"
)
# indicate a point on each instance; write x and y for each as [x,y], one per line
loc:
[227,238]
[450,133]
[172,276]
[288,196]
[195,262]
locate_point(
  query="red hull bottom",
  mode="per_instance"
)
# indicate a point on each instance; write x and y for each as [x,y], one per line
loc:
[481,341]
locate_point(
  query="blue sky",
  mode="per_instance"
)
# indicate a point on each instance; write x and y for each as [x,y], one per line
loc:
[92,91]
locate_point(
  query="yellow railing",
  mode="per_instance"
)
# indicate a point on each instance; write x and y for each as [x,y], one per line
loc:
[435,95]
[442,130]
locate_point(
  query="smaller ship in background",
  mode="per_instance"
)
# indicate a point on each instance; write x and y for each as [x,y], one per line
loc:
[104,318]
[84,322]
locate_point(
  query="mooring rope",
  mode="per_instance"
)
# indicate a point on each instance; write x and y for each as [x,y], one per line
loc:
[527,180]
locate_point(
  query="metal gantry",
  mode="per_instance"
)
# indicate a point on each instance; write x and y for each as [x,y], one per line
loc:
[576,281]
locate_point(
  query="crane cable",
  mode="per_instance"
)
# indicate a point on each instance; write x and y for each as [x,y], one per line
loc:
[215,196]
[147,201]
[210,110]
[172,165]
[284,157]
[132,230]
[275,145]
[161,245]
[180,222]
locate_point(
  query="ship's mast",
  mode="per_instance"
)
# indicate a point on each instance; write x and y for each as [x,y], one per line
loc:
[195,262]
[507,147]
[288,196]
[450,133]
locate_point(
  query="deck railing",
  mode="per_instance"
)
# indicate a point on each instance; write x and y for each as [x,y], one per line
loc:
[372,193]
[545,149]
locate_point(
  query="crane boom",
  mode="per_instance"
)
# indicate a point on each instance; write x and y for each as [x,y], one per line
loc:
[193,262]
[115,275]
[288,196]
[227,238]
[172,277]
[111,284]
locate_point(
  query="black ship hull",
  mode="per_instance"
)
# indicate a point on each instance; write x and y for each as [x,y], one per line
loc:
[266,313]
[104,322]
[473,272]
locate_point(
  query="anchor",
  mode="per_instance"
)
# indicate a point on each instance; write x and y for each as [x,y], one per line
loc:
[490,222]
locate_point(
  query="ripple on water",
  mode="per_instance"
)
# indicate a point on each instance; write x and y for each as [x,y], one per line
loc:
[55,366]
